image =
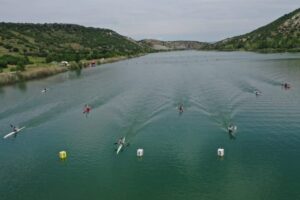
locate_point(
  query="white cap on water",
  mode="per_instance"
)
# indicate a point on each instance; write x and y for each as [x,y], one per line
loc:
[221,152]
[140,152]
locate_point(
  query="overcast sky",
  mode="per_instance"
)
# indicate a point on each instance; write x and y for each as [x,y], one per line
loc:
[202,20]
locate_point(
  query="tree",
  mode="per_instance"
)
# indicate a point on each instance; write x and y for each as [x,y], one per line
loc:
[3,64]
[20,66]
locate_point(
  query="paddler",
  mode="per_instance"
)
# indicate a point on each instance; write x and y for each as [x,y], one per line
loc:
[87,109]
[120,141]
[231,128]
[180,108]
[14,128]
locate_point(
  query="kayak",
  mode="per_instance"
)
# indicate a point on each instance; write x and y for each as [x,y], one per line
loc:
[256,92]
[14,132]
[233,128]
[121,145]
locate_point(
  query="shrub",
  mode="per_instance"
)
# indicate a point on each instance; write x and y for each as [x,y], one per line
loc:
[3,64]
[15,49]
[13,60]
[13,69]
[20,66]
[74,65]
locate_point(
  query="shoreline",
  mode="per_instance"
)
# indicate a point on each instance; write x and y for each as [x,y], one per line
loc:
[33,73]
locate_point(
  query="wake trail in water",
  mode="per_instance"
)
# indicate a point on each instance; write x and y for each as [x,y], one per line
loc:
[23,106]
[141,113]
[47,115]
[98,101]
[220,106]
[63,107]
[245,86]
[275,80]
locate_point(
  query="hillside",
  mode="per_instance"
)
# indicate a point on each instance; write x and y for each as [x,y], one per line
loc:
[57,42]
[281,35]
[172,45]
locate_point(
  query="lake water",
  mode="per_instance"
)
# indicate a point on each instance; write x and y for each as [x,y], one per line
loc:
[137,98]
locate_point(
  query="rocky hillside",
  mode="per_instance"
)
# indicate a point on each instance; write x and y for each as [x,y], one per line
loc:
[281,35]
[172,45]
[57,42]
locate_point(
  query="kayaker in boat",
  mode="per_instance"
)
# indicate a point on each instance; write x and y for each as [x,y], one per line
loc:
[286,85]
[120,141]
[230,128]
[257,92]
[180,108]
[87,109]
[15,129]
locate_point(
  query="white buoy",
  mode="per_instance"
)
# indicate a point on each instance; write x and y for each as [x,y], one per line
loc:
[220,152]
[140,152]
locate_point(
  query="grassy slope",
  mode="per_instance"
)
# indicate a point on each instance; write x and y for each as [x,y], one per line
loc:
[37,45]
[281,35]
[57,42]
[172,45]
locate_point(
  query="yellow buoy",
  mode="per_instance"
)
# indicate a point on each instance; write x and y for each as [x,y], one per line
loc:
[62,154]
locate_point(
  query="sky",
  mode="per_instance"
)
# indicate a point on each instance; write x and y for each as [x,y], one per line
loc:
[201,20]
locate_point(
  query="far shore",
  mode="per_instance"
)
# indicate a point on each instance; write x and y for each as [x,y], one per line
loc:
[31,73]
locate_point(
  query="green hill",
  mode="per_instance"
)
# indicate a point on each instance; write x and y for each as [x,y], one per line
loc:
[281,35]
[159,45]
[58,42]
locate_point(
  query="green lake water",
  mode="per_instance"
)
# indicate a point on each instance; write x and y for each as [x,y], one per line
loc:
[137,98]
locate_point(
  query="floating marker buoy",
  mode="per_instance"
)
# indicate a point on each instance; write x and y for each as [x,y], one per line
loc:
[62,154]
[140,152]
[220,152]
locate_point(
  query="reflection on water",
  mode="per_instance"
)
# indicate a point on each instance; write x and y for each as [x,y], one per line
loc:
[22,86]
[78,72]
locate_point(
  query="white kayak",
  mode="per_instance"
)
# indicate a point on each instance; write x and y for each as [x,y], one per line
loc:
[44,90]
[232,128]
[14,132]
[121,145]
[256,92]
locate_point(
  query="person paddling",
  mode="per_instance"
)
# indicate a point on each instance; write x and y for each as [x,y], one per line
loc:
[86,110]
[44,90]
[286,86]
[15,129]
[180,108]
[120,141]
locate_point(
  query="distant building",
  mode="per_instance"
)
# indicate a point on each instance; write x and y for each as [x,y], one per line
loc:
[64,63]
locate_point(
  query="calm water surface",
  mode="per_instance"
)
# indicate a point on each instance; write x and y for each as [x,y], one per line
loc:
[137,98]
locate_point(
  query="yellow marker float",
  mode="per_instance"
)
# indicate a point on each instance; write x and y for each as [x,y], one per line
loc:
[62,155]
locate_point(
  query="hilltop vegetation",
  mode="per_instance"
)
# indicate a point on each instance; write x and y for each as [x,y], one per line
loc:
[173,45]
[281,35]
[21,44]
